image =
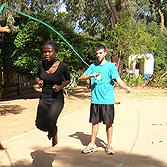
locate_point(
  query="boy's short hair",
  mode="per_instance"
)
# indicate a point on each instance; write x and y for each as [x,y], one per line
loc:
[100,47]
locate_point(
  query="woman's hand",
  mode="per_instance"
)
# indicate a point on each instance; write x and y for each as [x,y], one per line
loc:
[57,88]
[40,83]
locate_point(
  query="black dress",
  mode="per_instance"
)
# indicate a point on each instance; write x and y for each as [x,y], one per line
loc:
[51,103]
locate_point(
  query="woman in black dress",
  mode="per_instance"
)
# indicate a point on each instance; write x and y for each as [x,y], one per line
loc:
[52,77]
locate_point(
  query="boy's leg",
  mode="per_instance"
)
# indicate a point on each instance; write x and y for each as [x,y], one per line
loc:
[91,147]
[94,117]
[95,128]
[109,132]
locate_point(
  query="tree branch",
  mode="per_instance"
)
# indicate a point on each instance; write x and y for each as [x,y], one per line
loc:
[113,9]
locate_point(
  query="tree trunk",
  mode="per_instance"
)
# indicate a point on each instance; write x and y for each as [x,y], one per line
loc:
[120,63]
[122,5]
[157,4]
[120,67]
[112,20]
[113,9]
[114,58]
[117,59]
[162,20]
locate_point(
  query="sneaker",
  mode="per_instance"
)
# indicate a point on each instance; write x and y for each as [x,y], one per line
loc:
[109,150]
[90,148]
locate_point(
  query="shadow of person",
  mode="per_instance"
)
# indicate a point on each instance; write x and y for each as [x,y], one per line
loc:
[42,159]
[85,139]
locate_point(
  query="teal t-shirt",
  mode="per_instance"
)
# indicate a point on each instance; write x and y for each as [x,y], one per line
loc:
[102,87]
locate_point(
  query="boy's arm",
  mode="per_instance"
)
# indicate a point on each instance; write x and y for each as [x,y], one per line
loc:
[123,85]
[85,76]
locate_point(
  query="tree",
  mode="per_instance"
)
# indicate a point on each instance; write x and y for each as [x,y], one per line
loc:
[123,26]
[28,44]
[120,24]
[161,55]
[31,36]
[129,37]
[160,6]
[25,52]
[160,50]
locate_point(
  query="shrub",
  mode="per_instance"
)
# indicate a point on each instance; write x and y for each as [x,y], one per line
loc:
[157,81]
[132,80]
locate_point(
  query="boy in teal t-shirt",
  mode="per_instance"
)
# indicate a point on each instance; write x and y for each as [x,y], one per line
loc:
[103,85]
[103,74]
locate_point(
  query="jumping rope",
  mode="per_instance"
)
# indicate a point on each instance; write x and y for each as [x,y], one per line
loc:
[1,8]
[8,156]
[137,132]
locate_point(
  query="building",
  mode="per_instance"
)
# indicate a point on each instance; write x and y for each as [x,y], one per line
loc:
[141,64]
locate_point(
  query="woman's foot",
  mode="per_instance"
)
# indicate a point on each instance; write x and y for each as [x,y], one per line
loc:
[54,140]
[1,147]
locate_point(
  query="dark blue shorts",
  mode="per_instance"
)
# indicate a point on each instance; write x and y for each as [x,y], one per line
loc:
[102,113]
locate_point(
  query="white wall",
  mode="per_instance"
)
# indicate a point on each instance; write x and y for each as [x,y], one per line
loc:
[147,68]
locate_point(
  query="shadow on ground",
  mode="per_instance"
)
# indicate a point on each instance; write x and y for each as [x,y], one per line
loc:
[85,139]
[22,96]
[10,109]
[42,158]
[70,157]
[81,92]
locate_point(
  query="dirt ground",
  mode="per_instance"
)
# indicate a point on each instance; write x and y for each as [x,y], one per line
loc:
[18,116]
[139,139]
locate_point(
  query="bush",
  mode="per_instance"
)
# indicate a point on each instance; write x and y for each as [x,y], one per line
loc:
[131,80]
[139,80]
[128,79]
[157,81]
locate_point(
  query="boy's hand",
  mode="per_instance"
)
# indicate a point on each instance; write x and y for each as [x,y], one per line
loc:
[95,75]
[128,89]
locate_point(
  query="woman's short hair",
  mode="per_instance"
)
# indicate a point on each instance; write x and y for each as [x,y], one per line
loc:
[53,44]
